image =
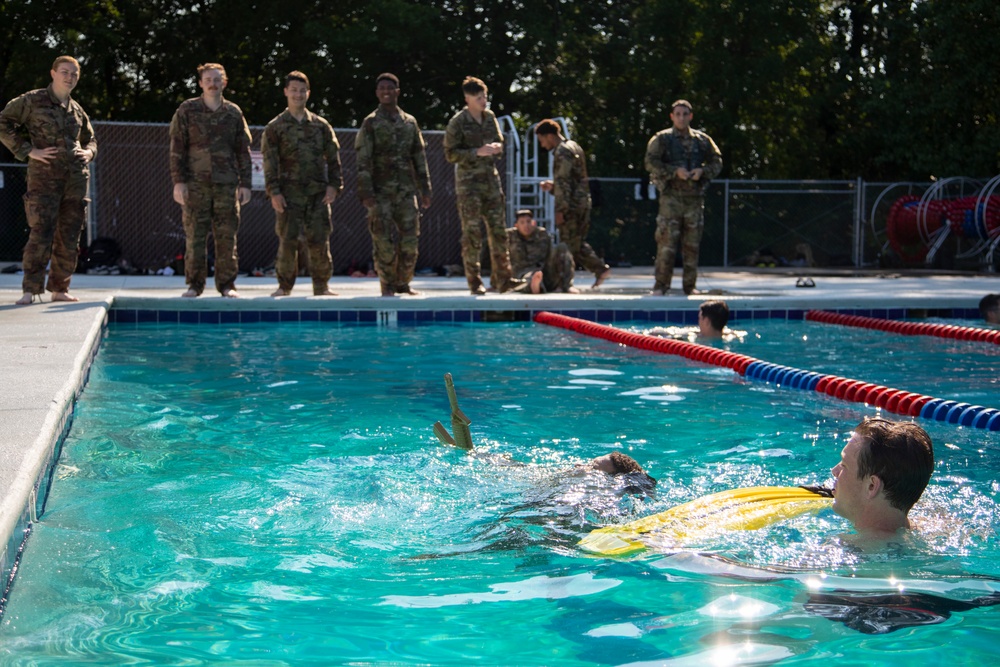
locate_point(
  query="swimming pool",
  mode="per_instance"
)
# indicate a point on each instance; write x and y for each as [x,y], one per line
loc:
[274,493]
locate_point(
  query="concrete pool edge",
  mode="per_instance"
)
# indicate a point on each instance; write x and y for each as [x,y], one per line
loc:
[28,486]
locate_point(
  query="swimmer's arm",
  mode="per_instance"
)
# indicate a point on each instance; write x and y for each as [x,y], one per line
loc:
[442,433]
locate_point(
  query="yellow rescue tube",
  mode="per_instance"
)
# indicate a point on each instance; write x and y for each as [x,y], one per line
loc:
[738,509]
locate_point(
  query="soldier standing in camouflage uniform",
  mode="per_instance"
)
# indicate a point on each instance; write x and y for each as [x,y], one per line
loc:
[473,142]
[571,188]
[50,129]
[392,169]
[681,162]
[210,168]
[535,260]
[303,177]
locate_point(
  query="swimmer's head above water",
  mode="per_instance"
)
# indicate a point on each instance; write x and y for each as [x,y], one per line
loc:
[713,316]
[883,470]
[616,464]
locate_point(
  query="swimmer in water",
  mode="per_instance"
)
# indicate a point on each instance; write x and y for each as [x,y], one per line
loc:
[989,308]
[883,470]
[713,316]
[614,463]
[618,464]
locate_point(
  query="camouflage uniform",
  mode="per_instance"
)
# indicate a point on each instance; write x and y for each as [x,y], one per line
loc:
[392,169]
[682,202]
[572,192]
[301,158]
[55,203]
[210,152]
[480,195]
[536,253]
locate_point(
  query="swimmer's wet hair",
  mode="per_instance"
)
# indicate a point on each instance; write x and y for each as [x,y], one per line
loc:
[900,454]
[717,312]
[988,304]
[626,465]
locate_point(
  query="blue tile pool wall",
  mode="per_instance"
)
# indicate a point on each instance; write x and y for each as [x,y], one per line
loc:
[133,316]
[410,317]
[9,558]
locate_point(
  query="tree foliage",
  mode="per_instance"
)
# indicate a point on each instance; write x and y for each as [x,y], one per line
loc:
[891,89]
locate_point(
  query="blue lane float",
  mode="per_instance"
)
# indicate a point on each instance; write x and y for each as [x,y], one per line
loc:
[897,401]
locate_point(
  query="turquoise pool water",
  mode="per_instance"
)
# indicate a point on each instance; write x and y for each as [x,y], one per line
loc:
[274,494]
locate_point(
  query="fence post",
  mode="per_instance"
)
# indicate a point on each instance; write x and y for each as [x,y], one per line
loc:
[725,224]
[858,215]
[92,206]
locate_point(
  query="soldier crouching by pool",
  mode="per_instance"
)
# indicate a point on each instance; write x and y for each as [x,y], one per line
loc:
[544,266]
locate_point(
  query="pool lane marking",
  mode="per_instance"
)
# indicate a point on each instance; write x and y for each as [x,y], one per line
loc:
[977,334]
[898,401]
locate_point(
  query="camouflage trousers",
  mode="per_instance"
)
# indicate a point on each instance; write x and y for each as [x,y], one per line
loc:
[211,208]
[56,210]
[305,214]
[557,274]
[394,223]
[573,232]
[475,208]
[681,219]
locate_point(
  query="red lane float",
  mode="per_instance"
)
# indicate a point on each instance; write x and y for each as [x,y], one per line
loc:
[898,401]
[977,334]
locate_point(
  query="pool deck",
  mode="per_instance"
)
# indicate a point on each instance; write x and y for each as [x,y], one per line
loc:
[49,346]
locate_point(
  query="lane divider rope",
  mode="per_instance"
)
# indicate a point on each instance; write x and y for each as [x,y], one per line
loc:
[898,401]
[907,328]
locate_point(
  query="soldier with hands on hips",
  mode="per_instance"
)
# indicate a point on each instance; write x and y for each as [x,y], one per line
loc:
[50,130]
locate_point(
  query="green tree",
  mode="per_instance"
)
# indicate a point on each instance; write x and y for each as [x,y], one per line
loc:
[884,89]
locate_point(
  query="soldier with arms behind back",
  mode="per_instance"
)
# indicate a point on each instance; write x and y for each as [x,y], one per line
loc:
[392,170]
[303,177]
[211,170]
[50,130]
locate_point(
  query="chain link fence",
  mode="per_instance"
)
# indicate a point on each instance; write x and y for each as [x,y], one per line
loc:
[133,204]
[747,222]
[13,225]
[772,223]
